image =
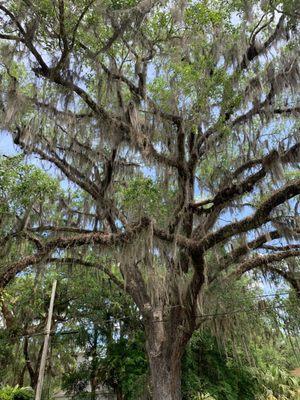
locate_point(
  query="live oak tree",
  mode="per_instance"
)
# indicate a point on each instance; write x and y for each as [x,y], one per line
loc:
[177,124]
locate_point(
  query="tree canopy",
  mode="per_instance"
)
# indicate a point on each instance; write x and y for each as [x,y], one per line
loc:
[173,126]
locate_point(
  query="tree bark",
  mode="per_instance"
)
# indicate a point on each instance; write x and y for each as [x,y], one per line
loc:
[33,373]
[93,388]
[93,376]
[119,393]
[166,377]
[166,341]
[21,377]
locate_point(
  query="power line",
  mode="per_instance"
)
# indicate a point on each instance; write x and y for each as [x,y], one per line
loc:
[51,333]
[203,316]
[255,297]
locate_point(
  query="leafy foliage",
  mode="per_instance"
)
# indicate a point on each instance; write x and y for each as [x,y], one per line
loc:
[174,127]
[207,369]
[16,393]
[24,185]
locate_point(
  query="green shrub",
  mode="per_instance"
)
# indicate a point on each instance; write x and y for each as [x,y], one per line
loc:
[16,393]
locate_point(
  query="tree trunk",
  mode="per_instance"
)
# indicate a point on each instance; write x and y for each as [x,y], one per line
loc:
[166,377]
[93,378]
[166,341]
[119,393]
[21,377]
[93,389]
[33,372]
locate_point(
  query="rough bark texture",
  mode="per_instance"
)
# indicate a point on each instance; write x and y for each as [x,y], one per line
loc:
[166,341]
[166,377]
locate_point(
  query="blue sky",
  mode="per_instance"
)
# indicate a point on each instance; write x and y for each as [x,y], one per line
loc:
[7,146]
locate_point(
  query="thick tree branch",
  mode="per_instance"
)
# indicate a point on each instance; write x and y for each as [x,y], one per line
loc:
[254,50]
[281,248]
[98,238]
[261,215]
[11,270]
[261,261]
[238,189]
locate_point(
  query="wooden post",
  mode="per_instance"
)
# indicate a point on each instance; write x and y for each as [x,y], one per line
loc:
[40,381]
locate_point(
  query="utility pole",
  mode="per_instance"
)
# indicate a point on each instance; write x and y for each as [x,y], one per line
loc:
[39,386]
